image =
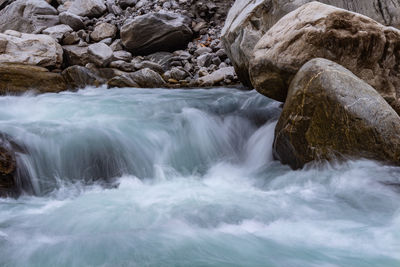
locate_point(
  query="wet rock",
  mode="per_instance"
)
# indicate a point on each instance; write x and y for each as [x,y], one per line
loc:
[31,49]
[28,16]
[103,31]
[8,169]
[360,44]
[100,54]
[155,32]
[249,20]
[17,79]
[79,77]
[330,113]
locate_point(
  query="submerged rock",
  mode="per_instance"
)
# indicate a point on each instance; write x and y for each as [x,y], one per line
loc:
[249,20]
[32,49]
[155,32]
[17,79]
[8,169]
[330,113]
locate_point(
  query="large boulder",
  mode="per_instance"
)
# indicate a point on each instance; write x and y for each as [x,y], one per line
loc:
[249,20]
[28,16]
[154,32]
[88,8]
[362,45]
[330,113]
[32,49]
[17,79]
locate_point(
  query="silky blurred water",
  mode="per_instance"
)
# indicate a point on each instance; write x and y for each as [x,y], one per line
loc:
[136,177]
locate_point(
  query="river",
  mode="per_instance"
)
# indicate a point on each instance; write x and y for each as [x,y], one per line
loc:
[136,177]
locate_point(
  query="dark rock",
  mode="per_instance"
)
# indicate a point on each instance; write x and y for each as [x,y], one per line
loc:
[155,32]
[80,77]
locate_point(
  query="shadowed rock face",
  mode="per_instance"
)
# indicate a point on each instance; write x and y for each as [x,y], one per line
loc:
[365,47]
[330,113]
[150,33]
[249,20]
[8,168]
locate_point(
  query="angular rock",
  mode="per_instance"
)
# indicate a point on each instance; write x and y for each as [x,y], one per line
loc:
[122,81]
[28,16]
[249,20]
[88,8]
[360,44]
[17,79]
[80,77]
[8,169]
[76,55]
[102,31]
[70,38]
[149,65]
[155,32]
[147,78]
[72,20]
[330,113]
[31,49]
[217,76]
[122,55]
[58,31]
[100,54]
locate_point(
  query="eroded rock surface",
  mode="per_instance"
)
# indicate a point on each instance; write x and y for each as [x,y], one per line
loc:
[330,113]
[362,45]
[249,20]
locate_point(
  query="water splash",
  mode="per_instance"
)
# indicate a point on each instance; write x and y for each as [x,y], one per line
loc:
[197,187]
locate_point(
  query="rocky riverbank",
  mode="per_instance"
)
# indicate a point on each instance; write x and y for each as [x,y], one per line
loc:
[123,43]
[335,69]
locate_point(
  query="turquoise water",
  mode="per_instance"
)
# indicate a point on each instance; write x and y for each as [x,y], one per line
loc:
[133,177]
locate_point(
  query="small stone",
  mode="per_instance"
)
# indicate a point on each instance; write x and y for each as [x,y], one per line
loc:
[100,54]
[103,31]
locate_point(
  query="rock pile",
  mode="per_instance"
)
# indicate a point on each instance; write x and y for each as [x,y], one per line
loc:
[107,41]
[336,70]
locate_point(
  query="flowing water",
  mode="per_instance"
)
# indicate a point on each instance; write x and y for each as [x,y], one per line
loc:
[131,177]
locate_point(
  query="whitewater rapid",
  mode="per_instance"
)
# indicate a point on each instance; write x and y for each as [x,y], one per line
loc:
[136,177]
